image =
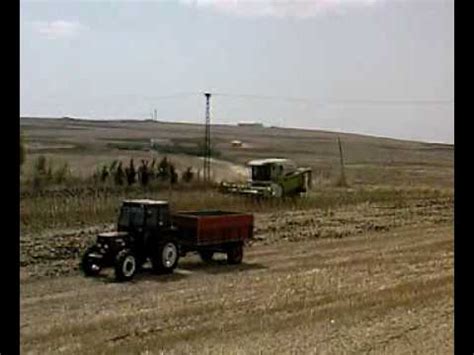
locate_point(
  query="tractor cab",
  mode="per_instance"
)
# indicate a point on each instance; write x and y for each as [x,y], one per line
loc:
[142,220]
[137,216]
[266,170]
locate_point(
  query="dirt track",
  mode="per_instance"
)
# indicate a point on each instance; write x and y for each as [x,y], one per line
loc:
[385,291]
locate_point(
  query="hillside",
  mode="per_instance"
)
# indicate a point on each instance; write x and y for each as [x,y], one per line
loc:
[369,160]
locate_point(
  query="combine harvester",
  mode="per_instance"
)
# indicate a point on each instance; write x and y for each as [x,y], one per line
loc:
[273,177]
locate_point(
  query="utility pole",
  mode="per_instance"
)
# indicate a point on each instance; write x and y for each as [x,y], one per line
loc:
[342,181]
[207,140]
[156,117]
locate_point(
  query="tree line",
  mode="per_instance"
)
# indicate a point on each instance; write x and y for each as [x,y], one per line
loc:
[143,175]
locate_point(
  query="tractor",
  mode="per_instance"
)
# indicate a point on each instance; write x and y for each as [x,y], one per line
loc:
[147,231]
[143,232]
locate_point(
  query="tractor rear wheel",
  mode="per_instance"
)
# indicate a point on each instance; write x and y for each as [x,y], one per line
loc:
[89,266]
[125,265]
[165,258]
[206,255]
[235,254]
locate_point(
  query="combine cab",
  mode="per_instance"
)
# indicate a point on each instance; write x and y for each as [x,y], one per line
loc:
[272,178]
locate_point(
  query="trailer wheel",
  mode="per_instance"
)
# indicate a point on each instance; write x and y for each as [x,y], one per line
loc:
[165,258]
[89,266]
[206,255]
[125,265]
[235,254]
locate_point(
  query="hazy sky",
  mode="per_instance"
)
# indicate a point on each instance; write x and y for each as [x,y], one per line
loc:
[350,58]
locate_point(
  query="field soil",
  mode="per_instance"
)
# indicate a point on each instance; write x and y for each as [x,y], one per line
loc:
[366,279]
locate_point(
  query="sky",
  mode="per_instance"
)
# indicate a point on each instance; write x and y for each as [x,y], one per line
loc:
[378,67]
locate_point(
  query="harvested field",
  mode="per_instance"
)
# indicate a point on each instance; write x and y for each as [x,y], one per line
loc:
[378,292]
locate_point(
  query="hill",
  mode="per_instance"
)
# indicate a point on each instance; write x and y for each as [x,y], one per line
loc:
[369,160]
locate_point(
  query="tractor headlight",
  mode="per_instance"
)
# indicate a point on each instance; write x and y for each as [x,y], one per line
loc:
[120,242]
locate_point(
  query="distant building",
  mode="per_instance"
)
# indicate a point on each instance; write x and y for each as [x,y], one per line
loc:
[236,144]
[250,124]
[158,141]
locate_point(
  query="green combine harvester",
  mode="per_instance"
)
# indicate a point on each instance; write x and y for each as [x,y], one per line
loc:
[273,177]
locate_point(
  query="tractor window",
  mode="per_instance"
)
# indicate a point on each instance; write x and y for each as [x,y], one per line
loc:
[138,216]
[131,215]
[124,218]
[164,216]
[261,173]
[152,217]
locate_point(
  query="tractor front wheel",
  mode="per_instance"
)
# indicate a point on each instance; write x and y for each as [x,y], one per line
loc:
[125,265]
[89,266]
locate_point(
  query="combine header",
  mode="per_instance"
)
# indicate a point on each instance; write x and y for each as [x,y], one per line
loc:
[272,178]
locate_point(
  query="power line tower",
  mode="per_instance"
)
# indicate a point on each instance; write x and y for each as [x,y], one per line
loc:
[207,140]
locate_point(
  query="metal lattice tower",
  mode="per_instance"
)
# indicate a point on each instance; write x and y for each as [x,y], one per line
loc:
[207,140]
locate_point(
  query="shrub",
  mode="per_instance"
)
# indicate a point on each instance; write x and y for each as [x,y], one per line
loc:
[119,175]
[143,173]
[62,173]
[40,166]
[187,175]
[131,173]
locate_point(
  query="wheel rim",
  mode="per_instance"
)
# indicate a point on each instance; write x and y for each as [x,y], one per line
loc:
[169,255]
[129,266]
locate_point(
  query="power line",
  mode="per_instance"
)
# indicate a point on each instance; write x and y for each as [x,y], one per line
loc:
[309,100]
[171,96]
[337,102]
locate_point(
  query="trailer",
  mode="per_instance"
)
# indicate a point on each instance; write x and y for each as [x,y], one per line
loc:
[214,231]
[147,231]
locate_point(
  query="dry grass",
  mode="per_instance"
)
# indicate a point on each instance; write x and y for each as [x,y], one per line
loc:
[87,207]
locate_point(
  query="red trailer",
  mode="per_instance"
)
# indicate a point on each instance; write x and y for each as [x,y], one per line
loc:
[213,231]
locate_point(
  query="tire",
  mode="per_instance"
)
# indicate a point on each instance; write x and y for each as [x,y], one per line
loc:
[165,258]
[206,255]
[89,266]
[126,265]
[235,254]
